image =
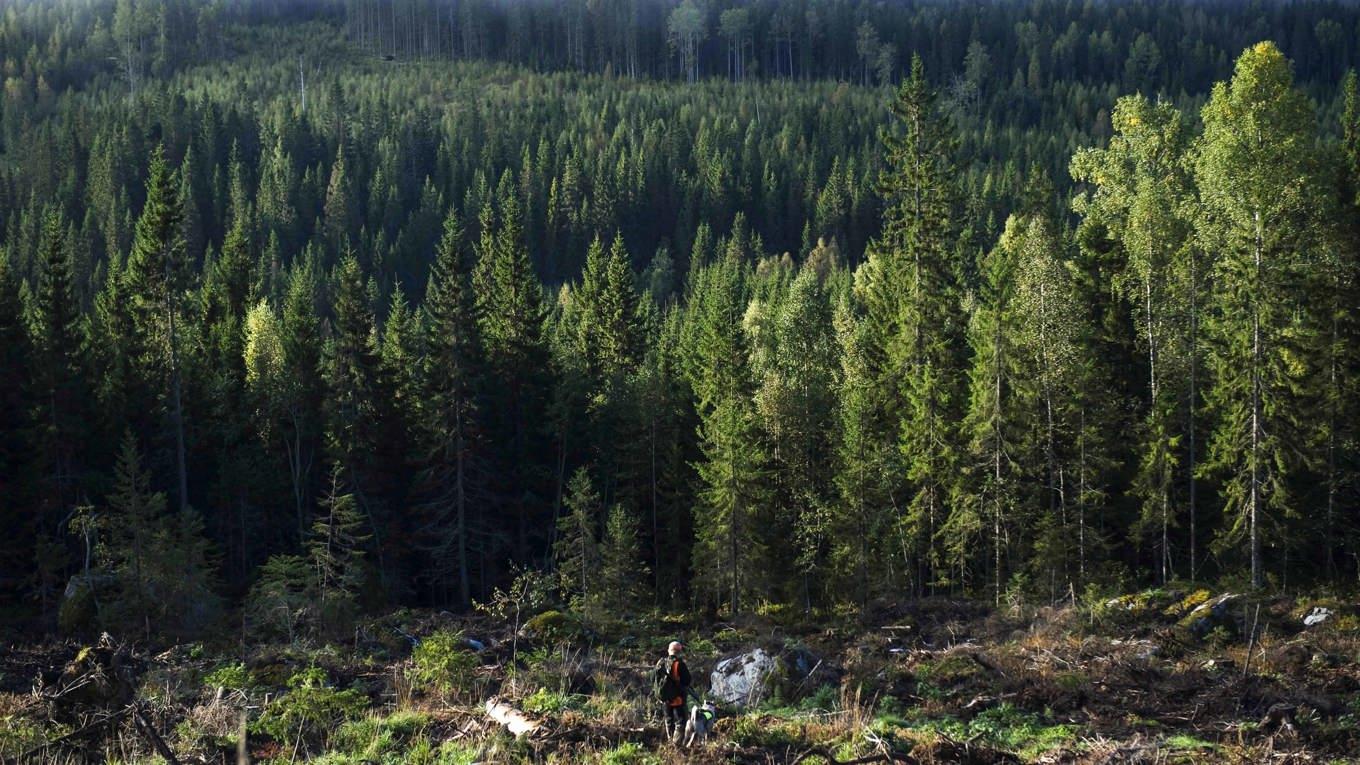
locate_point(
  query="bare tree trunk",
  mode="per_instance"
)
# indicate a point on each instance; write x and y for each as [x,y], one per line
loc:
[656,539]
[1190,408]
[996,473]
[1081,502]
[460,527]
[1257,576]
[177,407]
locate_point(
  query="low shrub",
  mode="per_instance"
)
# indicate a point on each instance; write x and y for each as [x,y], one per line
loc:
[444,663]
[233,677]
[310,710]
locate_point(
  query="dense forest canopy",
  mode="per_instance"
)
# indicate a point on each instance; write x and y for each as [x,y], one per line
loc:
[706,304]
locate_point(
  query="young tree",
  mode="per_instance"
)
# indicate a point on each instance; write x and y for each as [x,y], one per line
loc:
[282,601]
[160,562]
[576,551]
[623,577]
[336,550]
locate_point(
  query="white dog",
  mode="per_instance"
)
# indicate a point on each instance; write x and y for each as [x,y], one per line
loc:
[700,724]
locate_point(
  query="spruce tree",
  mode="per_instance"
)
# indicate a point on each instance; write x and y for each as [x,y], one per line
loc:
[795,369]
[341,208]
[357,400]
[576,550]
[450,380]
[511,319]
[864,460]
[623,577]
[59,392]
[156,277]
[336,549]
[160,562]
[17,374]
[914,300]
[727,546]
[993,501]
[607,323]
[302,402]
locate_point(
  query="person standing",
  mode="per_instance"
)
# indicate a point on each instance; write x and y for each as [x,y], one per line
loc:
[672,682]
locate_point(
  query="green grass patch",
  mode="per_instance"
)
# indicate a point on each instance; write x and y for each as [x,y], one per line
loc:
[1003,727]
[396,738]
[630,753]
[760,731]
[19,734]
[1185,742]
[544,702]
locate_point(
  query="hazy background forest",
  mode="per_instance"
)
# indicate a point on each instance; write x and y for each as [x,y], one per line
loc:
[710,305]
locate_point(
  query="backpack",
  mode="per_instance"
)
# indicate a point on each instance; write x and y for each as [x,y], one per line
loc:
[663,685]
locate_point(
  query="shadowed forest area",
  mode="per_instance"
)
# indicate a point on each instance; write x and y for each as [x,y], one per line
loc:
[983,366]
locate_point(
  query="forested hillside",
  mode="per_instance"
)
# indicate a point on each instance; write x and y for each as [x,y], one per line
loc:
[718,306]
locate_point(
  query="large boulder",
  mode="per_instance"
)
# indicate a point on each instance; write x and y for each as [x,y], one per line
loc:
[753,676]
[745,679]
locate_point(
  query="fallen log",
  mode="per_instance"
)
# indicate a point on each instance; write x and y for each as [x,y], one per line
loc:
[514,720]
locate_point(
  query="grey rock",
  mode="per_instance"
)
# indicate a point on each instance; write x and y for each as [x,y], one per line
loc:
[744,679]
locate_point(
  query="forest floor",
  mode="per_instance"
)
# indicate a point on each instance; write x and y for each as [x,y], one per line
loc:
[1161,676]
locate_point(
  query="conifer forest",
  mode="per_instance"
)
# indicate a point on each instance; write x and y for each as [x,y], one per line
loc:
[363,362]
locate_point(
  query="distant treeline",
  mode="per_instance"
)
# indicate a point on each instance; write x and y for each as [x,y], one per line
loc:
[1165,46]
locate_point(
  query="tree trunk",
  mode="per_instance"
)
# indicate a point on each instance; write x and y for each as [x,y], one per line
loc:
[460,526]
[1255,498]
[177,407]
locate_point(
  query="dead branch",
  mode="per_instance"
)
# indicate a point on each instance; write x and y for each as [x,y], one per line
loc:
[145,727]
